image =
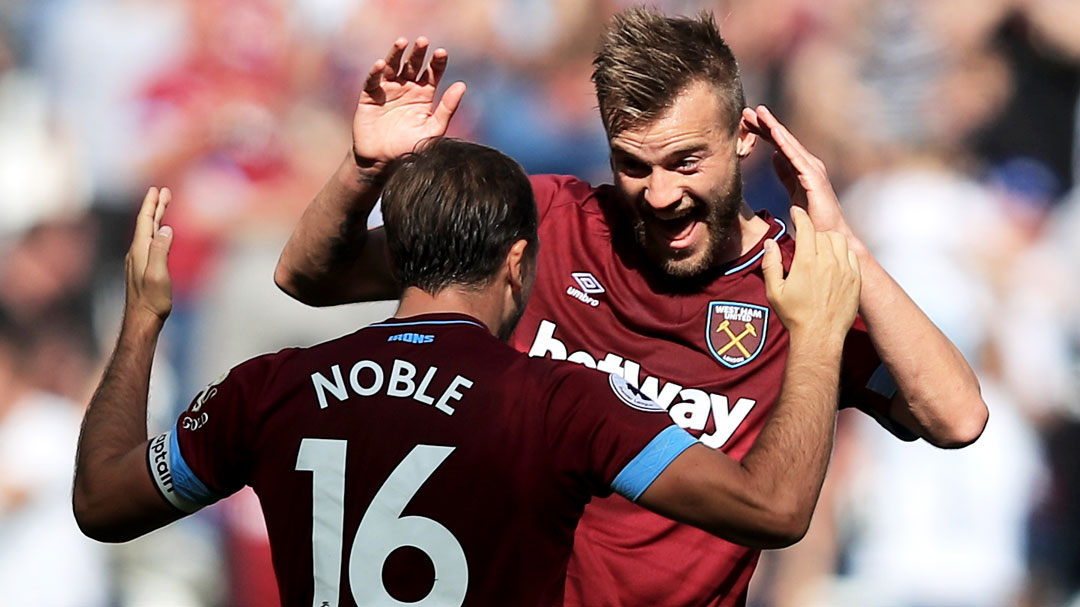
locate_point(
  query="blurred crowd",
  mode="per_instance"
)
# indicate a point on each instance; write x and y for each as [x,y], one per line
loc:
[950,128]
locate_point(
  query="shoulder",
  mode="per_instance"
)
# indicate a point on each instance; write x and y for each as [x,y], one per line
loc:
[573,382]
[564,192]
[262,378]
[262,368]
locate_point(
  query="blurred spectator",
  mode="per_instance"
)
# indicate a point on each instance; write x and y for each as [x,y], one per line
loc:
[1039,125]
[44,558]
[893,93]
[39,179]
[93,56]
[1042,285]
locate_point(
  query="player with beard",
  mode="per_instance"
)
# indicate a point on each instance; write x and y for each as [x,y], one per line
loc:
[657,277]
[423,461]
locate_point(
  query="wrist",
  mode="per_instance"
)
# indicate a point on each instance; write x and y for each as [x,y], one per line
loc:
[366,171]
[857,246]
[140,321]
[816,343]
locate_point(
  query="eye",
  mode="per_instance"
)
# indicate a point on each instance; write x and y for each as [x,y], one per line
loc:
[632,168]
[687,165]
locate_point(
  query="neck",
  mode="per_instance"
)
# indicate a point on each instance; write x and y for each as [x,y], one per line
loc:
[482,305]
[751,230]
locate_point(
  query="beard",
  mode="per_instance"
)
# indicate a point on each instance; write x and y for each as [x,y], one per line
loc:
[720,215]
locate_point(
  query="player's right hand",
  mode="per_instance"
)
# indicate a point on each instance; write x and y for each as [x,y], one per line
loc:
[149,287]
[820,295]
[397,109]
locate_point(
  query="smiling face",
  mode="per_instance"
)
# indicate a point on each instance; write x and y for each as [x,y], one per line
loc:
[678,180]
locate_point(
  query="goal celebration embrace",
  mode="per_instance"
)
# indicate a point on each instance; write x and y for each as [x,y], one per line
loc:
[612,394]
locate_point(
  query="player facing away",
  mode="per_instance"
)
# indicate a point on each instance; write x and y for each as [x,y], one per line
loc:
[657,277]
[422,460]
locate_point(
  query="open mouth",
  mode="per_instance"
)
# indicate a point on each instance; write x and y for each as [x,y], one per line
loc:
[677,233]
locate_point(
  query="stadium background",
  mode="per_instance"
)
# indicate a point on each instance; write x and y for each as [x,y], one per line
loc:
[950,132]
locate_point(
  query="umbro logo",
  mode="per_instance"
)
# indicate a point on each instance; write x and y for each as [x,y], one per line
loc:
[588,284]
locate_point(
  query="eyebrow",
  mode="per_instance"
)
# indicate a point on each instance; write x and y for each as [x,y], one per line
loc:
[673,155]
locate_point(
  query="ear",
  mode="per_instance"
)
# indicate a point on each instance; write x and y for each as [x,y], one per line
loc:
[744,139]
[516,265]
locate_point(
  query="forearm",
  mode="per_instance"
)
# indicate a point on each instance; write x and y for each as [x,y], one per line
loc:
[786,466]
[326,260]
[116,418]
[939,392]
[114,433]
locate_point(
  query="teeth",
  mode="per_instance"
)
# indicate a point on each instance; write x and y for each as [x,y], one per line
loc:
[680,217]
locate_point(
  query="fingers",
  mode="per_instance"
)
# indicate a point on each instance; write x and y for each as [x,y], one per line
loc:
[825,250]
[164,198]
[785,172]
[393,58]
[433,74]
[449,103]
[411,69]
[392,69]
[149,219]
[144,228]
[375,77]
[157,267]
[148,284]
[774,131]
[772,268]
[751,123]
[415,62]
[805,236]
[144,221]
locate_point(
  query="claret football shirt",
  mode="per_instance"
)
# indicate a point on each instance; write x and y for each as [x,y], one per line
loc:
[710,351]
[416,461]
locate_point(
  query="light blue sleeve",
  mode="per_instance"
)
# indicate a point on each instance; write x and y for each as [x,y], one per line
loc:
[637,475]
[174,478]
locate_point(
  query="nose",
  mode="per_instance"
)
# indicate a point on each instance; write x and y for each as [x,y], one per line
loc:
[662,191]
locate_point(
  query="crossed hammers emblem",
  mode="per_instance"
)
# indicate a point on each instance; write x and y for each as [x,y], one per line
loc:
[736,340]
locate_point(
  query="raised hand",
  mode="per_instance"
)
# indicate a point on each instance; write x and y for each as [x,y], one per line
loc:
[820,295]
[397,107]
[149,288]
[802,173]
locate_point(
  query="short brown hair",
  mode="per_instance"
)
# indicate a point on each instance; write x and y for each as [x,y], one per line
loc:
[646,59]
[452,209]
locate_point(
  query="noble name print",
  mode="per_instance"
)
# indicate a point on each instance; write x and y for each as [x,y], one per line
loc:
[735,331]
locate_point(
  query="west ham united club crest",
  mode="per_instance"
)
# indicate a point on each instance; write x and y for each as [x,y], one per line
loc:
[736,331]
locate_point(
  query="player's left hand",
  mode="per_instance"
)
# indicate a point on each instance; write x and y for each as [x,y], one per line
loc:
[149,287]
[802,173]
[398,108]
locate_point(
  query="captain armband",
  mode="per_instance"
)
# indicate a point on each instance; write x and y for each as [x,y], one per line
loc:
[174,478]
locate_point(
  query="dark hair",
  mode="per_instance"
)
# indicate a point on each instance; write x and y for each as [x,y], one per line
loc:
[646,59]
[452,210]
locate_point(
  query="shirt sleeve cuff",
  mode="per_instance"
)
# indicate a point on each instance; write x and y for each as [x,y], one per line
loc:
[173,477]
[637,475]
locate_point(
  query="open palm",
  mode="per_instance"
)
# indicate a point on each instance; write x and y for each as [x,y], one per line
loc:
[397,108]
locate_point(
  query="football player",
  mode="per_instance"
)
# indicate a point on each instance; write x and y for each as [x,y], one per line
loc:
[657,277]
[422,459]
